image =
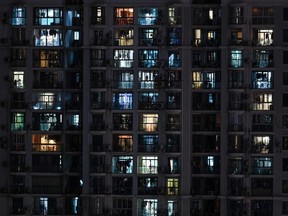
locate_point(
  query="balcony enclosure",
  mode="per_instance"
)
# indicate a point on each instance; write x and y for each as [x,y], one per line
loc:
[206,122]
[47,101]
[123,79]
[206,37]
[263,59]
[47,121]
[262,80]
[123,37]
[147,185]
[206,164]
[149,16]
[263,37]
[206,101]
[47,143]
[205,186]
[206,59]
[262,122]
[122,164]
[206,79]
[122,143]
[206,143]
[236,144]
[148,100]
[148,143]
[149,37]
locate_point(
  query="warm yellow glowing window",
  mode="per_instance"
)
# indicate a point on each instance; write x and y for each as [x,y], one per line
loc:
[44,142]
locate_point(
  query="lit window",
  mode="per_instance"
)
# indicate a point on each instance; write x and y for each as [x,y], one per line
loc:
[262,144]
[148,122]
[148,143]
[174,36]
[122,143]
[236,58]
[172,206]
[148,58]
[172,186]
[174,58]
[48,16]
[47,121]
[149,36]
[147,165]
[45,142]
[263,37]
[98,15]
[123,16]
[174,16]
[17,121]
[122,164]
[18,79]
[148,16]
[148,100]
[122,101]
[262,58]
[236,37]
[148,207]
[205,79]
[262,79]
[262,101]
[262,165]
[123,58]
[147,79]
[124,79]
[48,58]
[147,185]
[47,100]
[18,16]
[123,37]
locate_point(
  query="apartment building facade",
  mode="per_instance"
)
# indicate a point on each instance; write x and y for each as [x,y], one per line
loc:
[144,108]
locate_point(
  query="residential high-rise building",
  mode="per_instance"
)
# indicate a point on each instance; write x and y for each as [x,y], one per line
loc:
[144,108]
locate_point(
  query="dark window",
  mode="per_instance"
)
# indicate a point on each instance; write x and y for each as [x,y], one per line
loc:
[285,164]
[285,35]
[285,14]
[285,100]
[285,57]
[285,78]
[285,143]
[285,186]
